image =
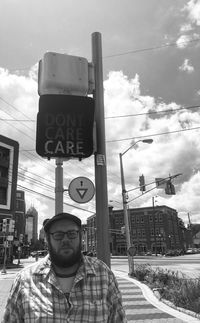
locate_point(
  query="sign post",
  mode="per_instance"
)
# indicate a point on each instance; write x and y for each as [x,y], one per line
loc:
[102,213]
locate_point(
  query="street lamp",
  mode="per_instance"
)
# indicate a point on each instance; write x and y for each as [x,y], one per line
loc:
[124,198]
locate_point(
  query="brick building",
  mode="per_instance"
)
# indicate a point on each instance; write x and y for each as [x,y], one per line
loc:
[152,229]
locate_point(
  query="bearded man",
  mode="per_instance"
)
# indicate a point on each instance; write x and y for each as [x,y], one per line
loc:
[65,286]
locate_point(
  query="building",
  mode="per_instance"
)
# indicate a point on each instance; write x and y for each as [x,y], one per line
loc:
[32,225]
[9,151]
[152,229]
[20,224]
[20,214]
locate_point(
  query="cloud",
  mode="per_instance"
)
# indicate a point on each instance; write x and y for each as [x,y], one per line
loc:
[128,116]
[193,10]
[183,41]
[168,154]
[186,67]
[186,28]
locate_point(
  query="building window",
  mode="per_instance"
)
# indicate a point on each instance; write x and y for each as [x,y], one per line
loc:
[150,218]
[137,219]
[134,233]
[143,233]
[139,233]
[142,219]
[160,217]
[157,231]
[152,232]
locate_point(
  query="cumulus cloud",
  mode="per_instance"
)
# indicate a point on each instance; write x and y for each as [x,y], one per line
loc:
[186,66]
[170,153]
[183,40]
[193,10]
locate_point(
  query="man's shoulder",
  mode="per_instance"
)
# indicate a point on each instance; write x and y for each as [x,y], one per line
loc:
[39,267]
[96,264]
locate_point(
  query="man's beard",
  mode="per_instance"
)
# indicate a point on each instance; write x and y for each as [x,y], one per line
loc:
[65,261]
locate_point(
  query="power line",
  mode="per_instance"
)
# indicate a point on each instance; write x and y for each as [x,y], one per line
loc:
[118,116]
[150,48]
[153,135]
[134,51]
[153,112]
[53,199]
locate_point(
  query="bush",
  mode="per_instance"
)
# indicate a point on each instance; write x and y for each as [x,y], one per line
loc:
[172,286]
[141,271]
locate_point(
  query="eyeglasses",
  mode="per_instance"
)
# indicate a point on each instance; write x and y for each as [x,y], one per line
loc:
[59,235]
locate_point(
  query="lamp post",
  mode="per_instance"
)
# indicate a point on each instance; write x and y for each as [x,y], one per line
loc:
[125,199]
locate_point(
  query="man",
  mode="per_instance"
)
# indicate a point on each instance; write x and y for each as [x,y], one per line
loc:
[65,286]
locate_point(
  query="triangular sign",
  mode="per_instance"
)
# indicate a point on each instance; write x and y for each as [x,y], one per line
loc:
[81,192]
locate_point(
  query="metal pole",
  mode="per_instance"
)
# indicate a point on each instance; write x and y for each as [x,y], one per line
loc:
[59,186]
[126,220]
[102,212]
[5,256]
[154,223]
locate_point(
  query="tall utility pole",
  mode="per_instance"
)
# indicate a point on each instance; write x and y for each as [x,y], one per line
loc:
[102,212]
[154,224]
[126,218]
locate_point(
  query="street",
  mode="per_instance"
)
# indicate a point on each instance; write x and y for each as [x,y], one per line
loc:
[189,265]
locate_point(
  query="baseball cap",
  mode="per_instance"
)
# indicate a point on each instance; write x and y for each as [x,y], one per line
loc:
[67,216]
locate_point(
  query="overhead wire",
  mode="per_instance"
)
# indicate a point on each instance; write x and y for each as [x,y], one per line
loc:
[153,135]
[153,112]
[127,52]
[150,48]
[47,196]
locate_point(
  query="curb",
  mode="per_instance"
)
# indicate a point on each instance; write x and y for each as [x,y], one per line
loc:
[160,304]
[180,309]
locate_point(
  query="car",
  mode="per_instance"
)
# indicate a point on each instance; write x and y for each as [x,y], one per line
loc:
[190,251]
[39,253]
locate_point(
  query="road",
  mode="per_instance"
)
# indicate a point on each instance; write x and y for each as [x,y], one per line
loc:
[189,265]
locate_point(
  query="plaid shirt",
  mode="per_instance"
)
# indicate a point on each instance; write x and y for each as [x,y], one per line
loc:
[37,297]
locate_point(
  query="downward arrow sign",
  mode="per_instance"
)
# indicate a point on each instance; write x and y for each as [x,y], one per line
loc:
[81,192]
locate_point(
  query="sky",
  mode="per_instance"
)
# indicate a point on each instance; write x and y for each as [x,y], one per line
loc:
[151,72]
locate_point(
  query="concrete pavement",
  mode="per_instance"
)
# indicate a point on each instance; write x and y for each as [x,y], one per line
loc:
[140,303]
[142,306]
[5,285]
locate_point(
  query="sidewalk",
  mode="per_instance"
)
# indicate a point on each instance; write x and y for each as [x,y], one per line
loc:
[142,306]
[140,303]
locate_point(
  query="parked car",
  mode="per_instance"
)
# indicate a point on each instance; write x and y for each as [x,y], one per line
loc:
[170,253]
[39,253]
[191,250]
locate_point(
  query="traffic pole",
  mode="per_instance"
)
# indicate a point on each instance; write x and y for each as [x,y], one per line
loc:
[59,186]
[102,212]
[5,257]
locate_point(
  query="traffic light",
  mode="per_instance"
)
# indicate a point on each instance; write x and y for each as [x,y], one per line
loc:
[21,237]
[4,226]
[11,227]
[170,189]
[142,183]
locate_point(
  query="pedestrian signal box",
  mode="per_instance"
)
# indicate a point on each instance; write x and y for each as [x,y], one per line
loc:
[65,126]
